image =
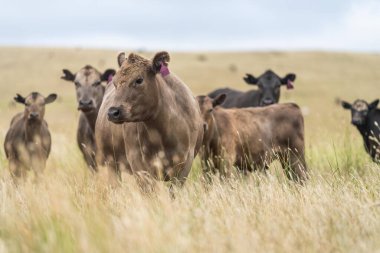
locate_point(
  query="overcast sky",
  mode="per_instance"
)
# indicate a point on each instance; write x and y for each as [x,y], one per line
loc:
[344,25]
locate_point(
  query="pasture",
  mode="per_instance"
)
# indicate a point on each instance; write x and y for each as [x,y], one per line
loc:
[71,210]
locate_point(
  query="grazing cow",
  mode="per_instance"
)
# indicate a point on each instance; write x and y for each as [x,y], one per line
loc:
[251,138]
[28,141]
[366,118]
[269,85]
[162,126]
[90,91]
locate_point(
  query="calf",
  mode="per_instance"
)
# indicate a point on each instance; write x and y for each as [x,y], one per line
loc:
[90,91]
[268,91]
[28,141]
[251,138]
[366,118]
[162,127]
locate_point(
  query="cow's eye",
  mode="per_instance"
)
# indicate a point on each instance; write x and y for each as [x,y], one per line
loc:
[210,110]
[139,81]
[97,83]
[77,84]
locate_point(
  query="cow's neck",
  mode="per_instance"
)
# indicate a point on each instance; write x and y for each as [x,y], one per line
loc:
[363,129]
[32,131]
[209,134]
[278,97]
[212,141]
[91,118]
[254,96]
[163,113]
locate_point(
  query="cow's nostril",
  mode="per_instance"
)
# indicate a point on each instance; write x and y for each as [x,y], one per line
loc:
[33,115]
[268,101]
[114,112]
[85,102]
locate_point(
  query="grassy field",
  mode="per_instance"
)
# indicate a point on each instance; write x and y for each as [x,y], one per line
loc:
[70,210]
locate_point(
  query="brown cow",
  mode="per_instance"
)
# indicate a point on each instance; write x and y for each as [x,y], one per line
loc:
[251,138]
[162,124]
[28,141]
[90,92]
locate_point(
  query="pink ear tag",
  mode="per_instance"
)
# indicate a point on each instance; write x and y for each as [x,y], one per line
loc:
[289,85]
[109,79]
[164,70]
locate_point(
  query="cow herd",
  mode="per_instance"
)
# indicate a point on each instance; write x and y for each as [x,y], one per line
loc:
[146,121]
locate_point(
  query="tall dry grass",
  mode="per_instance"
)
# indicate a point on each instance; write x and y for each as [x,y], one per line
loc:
[70,210]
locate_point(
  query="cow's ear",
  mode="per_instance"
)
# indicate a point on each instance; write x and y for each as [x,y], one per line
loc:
[67,75]
[346,105]
[160,59]
[19,99]
[108,74]
[289,77]
[51,98]
[120,58]
[250,79]
[373,105]
[218,100]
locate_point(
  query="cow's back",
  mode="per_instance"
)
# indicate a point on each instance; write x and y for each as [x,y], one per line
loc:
[237,99]
[265,127]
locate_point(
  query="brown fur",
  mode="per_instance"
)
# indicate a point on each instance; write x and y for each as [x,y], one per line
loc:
[110,138]
[251,138]
[159,120]
[90,94]
[28,141]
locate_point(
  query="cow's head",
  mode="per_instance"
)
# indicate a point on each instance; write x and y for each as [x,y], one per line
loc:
[269,85]
[359,110]
[207,105]
[88,86]
[137,93]
[35,105]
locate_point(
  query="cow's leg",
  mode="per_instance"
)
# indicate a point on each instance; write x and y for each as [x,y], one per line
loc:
[224,159]
[184,172]
[89,157]
[38,163]
[114,172]
[227,163]
[15,170]
[207,161]
[294,164]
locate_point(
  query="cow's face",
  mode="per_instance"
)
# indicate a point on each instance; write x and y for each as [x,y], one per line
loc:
[35,105]
[206,106]
[137,94]
[359,110]
[269,85]
[88,86]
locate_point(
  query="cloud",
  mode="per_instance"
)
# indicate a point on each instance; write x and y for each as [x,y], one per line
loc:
[195,25]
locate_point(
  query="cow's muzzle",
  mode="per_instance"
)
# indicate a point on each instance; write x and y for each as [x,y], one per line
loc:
[33,116]
[267,101]
[86,105]
[357,122]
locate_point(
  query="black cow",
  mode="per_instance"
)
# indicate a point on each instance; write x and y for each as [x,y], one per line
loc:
[268,91]
[366,117]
